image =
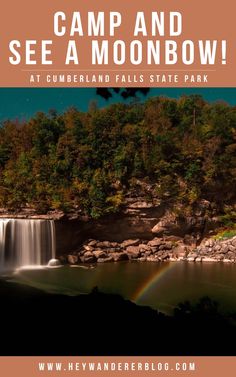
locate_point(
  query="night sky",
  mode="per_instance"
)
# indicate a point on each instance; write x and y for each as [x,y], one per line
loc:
[23,103]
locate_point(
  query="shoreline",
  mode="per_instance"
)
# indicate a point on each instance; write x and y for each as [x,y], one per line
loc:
[157,250]
[163,248]
[203,260]
[171,260]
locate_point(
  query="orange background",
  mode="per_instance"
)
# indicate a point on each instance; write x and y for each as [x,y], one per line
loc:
[203,19]
[205,366]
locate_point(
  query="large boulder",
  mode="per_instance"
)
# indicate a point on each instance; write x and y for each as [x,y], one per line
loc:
[128,243]
[143,259]
[92,243]
[133,252]
[105,260]
[104,244]
[220,257]
[224,249]
[233,241]
[54,263]
[115,245]
[99,254]
[203,250]
[88,248]
[118,257]
[168,245]
[165,256]
[155,242]
[168,221]
[72,259]
[143,247]
[88,257]
[179,251]
[231,255]
[113,250]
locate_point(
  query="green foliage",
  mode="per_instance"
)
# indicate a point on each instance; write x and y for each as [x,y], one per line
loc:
[226,233]
[185,148]
[228,218]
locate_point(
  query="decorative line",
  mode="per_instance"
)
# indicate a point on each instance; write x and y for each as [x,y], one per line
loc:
[120,71]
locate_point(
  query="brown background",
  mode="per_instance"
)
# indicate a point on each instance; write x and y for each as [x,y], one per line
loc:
[205,366]
[203,19]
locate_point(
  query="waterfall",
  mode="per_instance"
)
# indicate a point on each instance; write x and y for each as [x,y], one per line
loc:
[3,226]
[26,242]
[53,239]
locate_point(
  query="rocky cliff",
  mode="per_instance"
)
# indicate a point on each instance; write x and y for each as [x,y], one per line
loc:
[146,228]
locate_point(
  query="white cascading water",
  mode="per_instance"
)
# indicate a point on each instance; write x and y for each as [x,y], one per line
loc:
[3,224]
[26,242]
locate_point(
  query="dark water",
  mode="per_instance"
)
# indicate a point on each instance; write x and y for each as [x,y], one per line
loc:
[161,286]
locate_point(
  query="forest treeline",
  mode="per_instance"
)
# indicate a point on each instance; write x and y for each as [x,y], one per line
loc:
[186,149]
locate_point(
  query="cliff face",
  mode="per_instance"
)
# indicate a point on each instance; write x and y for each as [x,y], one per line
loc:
[139,219]
[145,232]
[143,216]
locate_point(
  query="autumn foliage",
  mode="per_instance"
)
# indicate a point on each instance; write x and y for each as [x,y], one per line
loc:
[185,148]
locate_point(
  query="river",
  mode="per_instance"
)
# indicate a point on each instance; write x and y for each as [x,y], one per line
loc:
[159,285]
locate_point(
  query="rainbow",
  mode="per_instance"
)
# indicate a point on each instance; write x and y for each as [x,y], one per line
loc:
[162,271]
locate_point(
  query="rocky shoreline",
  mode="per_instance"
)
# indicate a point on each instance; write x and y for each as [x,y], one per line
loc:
[142,231]
[170,249]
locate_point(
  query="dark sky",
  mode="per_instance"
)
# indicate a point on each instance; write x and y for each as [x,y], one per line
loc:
[22,103]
